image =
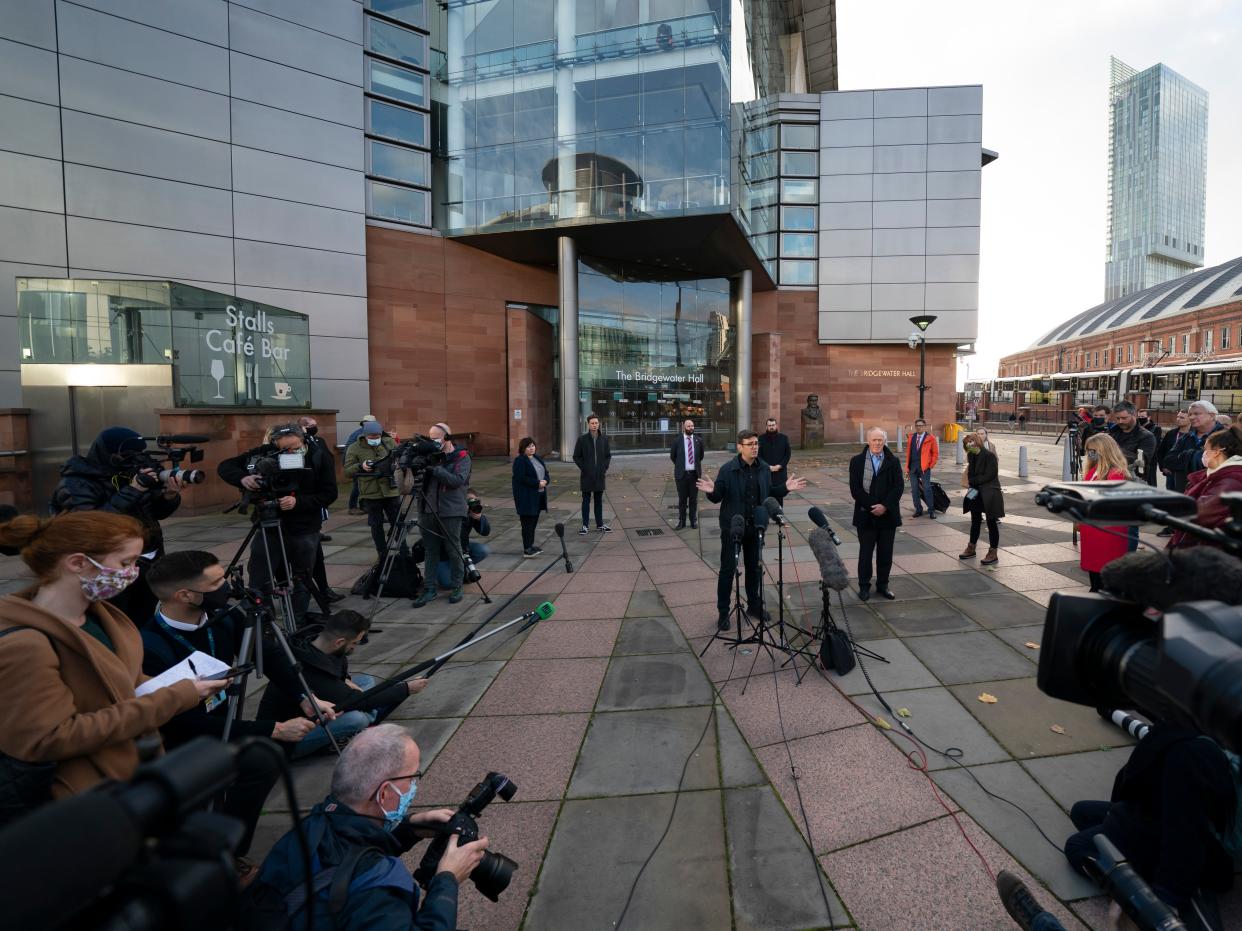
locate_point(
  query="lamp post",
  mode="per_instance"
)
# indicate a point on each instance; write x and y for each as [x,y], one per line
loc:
[919,340]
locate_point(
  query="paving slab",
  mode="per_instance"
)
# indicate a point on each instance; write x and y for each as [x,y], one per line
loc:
[960,585]
[585,606]
[649,635]
[646,604]
[1071,570]
[594,582]
[1074,777]
[502,646]
[813,707]
[974,656]
[902,671]
[1002,610]
[738,766]
[654,681]
[598,847]
[925,616]
[777,882]
[638,752]
[699,591]
[544,686]
[453,691]
[569,639]
[939,720]
[1030,578]
[1019,637]
[680,572]
[929,562]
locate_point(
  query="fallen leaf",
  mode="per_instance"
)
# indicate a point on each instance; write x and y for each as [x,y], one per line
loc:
[880,722]
[1057,729]
[1032,645]
[903,712]
[987,699]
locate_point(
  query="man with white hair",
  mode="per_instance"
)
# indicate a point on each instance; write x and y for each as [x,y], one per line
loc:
[876,484]
[1187,455]
[356,838]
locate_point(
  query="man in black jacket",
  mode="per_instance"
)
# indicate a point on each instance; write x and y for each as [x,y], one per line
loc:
[106,479]
[876,484]
[687,455]
[774,449]
[324,655]
[300,508]
[742,484]
[1133,439]
[592,456]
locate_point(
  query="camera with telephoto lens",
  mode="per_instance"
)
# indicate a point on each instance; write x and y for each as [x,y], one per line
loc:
[474,505]
[470,572]
[491,877]
[135,465]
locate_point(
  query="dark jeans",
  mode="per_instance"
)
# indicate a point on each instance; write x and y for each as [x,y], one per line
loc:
[598,497]
[378,511]
[728,567]
[301,547]
[441,538]
[257,772]
[921,490]
[687,494]
[976,525]
[880,541]
[529,523]
[478,553]
[353,495]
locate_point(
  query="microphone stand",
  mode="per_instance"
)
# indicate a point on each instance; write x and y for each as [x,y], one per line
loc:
[725,636]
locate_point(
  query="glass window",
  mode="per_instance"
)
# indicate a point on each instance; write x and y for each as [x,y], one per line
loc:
[394,42]
[797,218]
[1207,340]
[405,205]
[1224,337]
[1185,344]
[798,245]
[798,192]
[799,136]
[413,12]
[800,163]
[398,163]
[800,272]
[398,83]
[383,119]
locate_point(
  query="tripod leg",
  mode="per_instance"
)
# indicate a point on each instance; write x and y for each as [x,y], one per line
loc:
[237,690]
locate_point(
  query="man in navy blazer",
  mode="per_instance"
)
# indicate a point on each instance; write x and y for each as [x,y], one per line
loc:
[687,455]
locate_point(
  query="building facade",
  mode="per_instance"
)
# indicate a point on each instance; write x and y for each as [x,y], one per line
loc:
[1157,174]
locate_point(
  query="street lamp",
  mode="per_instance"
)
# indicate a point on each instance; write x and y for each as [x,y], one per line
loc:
[918,341]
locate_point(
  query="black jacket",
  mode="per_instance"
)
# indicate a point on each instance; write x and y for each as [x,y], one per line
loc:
[677,453]
[483,528]
[316,488]
[774,449]
[527,498]
[983,473]
[91,483]
[729,490]
[887,488]
[592,474]
[1165,446]
[326,675]
[1187,455]
[1131,443]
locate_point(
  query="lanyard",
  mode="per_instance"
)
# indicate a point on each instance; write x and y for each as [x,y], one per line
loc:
[211,637]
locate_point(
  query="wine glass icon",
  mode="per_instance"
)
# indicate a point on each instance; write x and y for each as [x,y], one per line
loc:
[217,372]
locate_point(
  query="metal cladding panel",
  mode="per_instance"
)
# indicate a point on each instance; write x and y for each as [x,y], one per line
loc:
[270,130]
[338,356]
[32,236]
[275,266]
[288,43]
[334,17]
[28,72]
[158,153]
[271,175]
[147,252]
[30,128]
[30,182]
[266,82]
[129,198]
[194,18]
[280,221]
[32,22]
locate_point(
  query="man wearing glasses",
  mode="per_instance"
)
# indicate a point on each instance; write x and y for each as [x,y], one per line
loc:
[742,484]
[357,836]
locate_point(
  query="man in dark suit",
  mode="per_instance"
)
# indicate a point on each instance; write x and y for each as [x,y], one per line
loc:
[687,455]
[591,456]
[774,449]
[742,484]
[876,484]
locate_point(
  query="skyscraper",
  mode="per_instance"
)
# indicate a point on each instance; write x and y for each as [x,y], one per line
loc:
[1157,169]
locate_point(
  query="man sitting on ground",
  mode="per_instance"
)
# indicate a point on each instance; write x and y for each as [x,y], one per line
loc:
[324,653]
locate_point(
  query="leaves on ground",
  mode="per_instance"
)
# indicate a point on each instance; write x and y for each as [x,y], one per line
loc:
[1032,645]
[1057,729]
[903,712]
[987,699]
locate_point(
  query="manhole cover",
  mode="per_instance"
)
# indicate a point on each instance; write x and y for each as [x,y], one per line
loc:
[650,532]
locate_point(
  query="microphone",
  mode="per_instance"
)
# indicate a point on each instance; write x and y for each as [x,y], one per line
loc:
[760,518]
[1162,579]
[832,571]
[819,520]
[737,529]
[560,532]
[774,511]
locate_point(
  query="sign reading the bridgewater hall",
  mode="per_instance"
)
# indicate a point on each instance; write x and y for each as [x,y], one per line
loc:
[655,377]
[883,373]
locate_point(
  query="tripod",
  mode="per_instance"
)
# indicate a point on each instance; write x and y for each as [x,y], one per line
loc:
[827,626]
[268,521]
[783,643]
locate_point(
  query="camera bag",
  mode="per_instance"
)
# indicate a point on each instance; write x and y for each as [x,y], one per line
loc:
[835,652]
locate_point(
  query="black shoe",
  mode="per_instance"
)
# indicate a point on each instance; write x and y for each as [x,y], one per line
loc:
[583,531]
[324,538]
[759,614]
[1017,899]
[333,597]
[917,514]
[604,528]
[722,622]
[883,592]
[681,525]
[864,592]
[694,525]
[932,515]
[1166,532]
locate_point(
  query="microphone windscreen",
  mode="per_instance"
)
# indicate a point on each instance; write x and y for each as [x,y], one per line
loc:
[832,571]
[267,467]
[773,507]
[761,518]
[817,517]
[738,527]
[545,610]
[1199,573]
[560,530]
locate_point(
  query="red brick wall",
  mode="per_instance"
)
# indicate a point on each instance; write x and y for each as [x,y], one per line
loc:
[766,379]
[532,387]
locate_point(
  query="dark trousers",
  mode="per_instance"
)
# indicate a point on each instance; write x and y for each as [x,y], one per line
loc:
[353,495]
[1097,580]
[529,523]
[301,546]
[877,540]
[598,498]
[976,525]
[257,772]
[921,491]
[378,511]
[687,494]
[728,567]
[441,539]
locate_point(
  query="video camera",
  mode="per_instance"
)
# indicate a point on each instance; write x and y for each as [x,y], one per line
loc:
[419,453]
[491,877]
[1168,641]
[279,473]
[174,449]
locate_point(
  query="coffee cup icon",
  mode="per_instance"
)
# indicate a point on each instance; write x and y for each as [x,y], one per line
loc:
[284,391]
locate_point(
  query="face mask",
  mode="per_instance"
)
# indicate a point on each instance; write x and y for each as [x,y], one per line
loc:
[109,583]
[971,450]
[394,818]
[215,600]
[312,431]
[374,442]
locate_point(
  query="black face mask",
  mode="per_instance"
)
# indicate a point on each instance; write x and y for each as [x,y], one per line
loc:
[214,600]
[312,431]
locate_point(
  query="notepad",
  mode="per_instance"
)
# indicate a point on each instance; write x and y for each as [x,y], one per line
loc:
[197,665]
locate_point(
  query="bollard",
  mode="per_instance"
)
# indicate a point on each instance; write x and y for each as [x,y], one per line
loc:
[1067,461]
[862,434]
[899,437]
[1023,471]
[961,450]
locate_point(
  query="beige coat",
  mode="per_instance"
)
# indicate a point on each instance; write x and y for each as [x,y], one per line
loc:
[66,698]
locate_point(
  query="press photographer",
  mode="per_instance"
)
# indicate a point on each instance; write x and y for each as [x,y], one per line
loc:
[441,510]
[300,481]
[473,553]
[359,833]
[370,460]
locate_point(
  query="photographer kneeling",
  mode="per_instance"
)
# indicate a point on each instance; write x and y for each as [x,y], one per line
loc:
[359,832]
[475,522]
[441,510]
[301,494]
[369,461]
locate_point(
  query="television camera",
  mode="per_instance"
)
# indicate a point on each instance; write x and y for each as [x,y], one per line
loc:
[173,449]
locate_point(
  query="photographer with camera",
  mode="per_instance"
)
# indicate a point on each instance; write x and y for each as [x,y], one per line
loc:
[300,495]
[369,460]
[475,522]
[441,510]
[116,476]
[357,836]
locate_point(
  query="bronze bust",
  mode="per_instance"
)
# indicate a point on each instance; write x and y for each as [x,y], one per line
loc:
[812,423]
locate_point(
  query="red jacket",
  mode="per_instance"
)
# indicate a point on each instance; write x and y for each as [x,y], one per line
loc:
[1097,546]
[1206,490]
[929,452]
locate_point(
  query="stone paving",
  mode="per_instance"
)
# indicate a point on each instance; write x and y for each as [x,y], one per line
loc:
[618,734]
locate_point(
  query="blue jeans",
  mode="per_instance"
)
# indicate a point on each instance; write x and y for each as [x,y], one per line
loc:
[478,552]
[921,490]
[344,728]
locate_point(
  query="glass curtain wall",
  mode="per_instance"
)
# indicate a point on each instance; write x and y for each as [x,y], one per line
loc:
[652,353]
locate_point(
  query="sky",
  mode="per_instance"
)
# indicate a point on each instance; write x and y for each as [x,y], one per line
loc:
[1044,71]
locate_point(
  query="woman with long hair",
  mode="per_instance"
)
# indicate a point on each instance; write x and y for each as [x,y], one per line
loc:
[1098,546]
[70,661]
[983,500]
[530,492]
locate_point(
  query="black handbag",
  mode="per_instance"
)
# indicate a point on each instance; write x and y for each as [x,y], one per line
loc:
[835,652]
[23,786]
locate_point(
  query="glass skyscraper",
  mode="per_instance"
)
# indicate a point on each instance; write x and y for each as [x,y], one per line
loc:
[1157,169]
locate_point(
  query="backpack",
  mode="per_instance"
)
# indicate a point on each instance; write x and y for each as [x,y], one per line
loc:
[939,499]
[405,580]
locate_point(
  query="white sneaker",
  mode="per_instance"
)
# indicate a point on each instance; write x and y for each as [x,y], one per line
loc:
[604,528]
[584,531]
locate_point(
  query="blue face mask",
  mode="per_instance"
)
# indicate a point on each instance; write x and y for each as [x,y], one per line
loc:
[404,800]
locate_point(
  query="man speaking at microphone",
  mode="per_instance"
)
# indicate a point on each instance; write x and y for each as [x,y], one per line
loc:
[741,485]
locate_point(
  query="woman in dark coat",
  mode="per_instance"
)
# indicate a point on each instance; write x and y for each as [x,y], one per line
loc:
[983,499]
[1222,455]
[530,492]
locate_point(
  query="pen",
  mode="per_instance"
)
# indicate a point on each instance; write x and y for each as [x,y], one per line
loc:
[192,669]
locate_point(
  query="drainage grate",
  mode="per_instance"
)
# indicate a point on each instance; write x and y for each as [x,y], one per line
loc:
[650,532]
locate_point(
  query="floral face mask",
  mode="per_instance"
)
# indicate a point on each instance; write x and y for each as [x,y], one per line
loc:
[109,583]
